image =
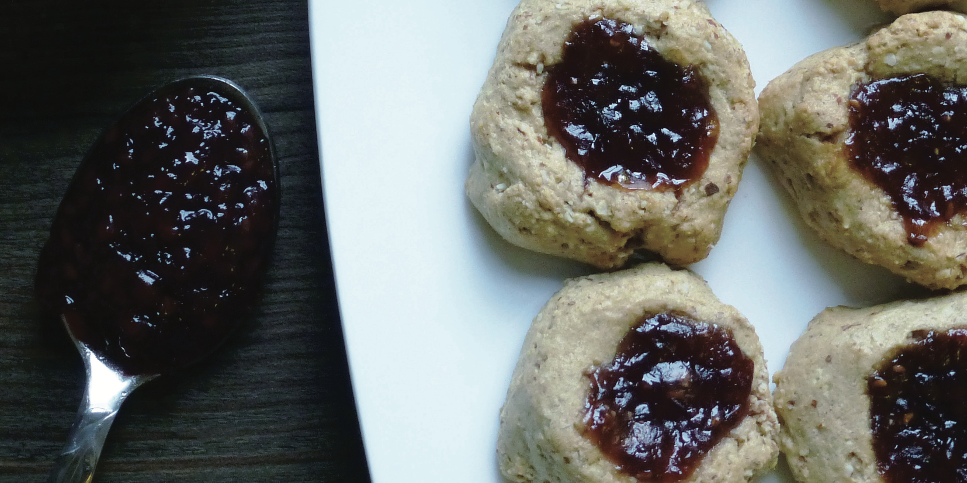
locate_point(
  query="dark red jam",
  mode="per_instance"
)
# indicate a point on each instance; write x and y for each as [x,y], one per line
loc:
[675,387]
[626,115]
[918,410]
[908,135]
[161,241]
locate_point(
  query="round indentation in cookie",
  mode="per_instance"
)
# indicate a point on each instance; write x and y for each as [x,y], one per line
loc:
[675,387]
[624,113]
[918,408]
[908,135]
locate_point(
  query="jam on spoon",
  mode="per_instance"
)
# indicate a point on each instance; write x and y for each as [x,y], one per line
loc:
[160,244]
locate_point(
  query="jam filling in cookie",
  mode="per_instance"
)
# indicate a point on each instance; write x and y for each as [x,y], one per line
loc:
[676,386]
[160,243]
[908,135]
[626,115]
[918,409]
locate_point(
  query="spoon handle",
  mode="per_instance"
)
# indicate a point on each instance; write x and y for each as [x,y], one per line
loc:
[106,389]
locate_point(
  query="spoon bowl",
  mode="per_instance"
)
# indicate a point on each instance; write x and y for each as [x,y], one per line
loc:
[159,246]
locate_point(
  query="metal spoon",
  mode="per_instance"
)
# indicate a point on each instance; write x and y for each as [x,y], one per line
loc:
[110,383]
[106,389]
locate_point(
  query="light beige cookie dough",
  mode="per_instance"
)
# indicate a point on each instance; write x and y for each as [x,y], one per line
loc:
[820,393]
[537,199]
[901,7]
[804,127]
[540,436]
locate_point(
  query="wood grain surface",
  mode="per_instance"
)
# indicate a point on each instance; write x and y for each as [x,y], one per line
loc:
[275,402]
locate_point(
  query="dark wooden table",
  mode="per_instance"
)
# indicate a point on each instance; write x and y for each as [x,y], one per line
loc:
[275,402]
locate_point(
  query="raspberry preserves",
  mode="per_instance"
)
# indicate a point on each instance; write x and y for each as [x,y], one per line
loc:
[908,135]
[161,241]
[918,409]
[676,386]
[626,115]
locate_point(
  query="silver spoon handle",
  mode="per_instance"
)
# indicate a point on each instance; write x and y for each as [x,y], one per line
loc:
[106,389]
[79,457]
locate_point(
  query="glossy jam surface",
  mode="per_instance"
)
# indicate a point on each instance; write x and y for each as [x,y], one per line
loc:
[160,243]
[674,389]
[625,114]
[918,410]
[908,135]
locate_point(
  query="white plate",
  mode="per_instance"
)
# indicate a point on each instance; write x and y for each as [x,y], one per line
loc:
[434,304]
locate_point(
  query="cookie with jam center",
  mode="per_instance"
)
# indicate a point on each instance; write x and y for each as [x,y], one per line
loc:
[606,127]
[877,394]
[868,141]
[701,410]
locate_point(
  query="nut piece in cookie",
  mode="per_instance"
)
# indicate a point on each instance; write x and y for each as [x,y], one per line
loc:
[698,407]
[871,142]
[605,127]
[878,394]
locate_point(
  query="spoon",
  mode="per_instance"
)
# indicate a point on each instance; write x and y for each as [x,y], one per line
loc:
[159,246]
[106,389]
